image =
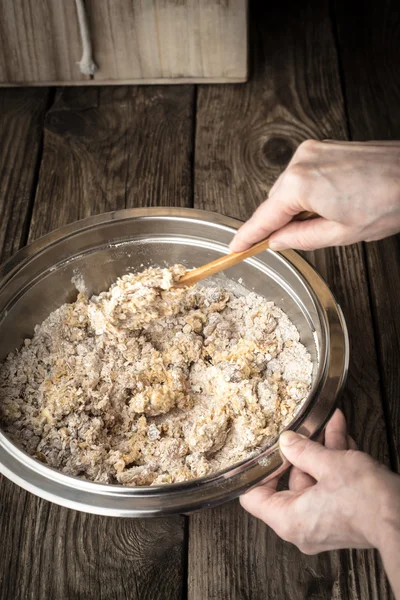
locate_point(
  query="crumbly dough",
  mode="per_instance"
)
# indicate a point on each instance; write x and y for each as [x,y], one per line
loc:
[148,384]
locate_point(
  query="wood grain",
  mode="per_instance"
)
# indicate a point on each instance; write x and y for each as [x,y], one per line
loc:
[245,136]
[112,148]
[39,41]
[99,146]
[169,39]
[21,133]
[150,41]
[52,553]
[370,57]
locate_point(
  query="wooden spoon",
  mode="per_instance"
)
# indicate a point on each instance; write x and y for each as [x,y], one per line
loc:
[229,260]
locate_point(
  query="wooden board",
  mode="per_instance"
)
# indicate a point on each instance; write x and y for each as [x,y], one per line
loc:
[370,60]
[169,40]
[146,41]
[39,42]
[102,151]
[244,137]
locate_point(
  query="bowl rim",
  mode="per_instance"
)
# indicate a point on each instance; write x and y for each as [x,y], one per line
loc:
[49,483]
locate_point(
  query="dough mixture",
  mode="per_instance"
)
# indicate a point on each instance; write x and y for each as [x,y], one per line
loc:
[148,384]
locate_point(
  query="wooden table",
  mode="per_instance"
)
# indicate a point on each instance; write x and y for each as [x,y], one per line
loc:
[320,69]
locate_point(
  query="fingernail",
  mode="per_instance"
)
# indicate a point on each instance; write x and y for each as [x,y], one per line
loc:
[277,245]
[237,246]
[232,245]
[288,438]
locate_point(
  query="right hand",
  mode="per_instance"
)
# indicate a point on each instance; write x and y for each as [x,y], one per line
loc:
[337,498]
[353,186]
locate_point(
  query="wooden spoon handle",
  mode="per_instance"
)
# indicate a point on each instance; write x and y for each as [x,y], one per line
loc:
[229,260]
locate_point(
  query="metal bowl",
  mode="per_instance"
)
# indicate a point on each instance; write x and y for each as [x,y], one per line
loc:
[92,254]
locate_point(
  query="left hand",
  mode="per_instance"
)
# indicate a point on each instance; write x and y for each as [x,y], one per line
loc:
[337,498]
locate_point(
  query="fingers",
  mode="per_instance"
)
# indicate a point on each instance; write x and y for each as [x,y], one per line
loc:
[336,436]
[308,456]
[270,216]
[299,481]
[352,445]
[309,235]
[276,184]
[362,145]
[265,503]
[336,433]
[258,495]
[286,199]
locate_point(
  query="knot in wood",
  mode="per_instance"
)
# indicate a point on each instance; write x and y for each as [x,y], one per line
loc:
[278,151]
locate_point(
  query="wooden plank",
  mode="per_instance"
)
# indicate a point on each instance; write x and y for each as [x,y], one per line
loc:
[39,41]
[370,62]
[21,120]
[98,150]
[245,136]
[146,41]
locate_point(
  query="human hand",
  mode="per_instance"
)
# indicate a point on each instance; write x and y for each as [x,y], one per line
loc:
[353,186]
[337,498]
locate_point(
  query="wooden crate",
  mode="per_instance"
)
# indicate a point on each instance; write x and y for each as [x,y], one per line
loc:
[133,41]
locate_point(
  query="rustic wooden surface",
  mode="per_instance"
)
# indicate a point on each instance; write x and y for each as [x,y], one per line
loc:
[245,136]
[68,153]
[371,78]
[133,41]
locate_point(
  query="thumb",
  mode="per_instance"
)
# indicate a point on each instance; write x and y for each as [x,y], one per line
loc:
[310,457]
[310,235]
[270,216]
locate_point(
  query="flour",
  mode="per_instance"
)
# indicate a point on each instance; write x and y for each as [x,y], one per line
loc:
[147,384]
